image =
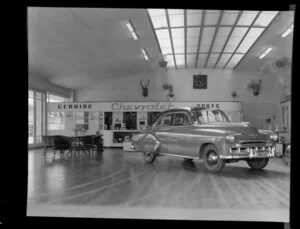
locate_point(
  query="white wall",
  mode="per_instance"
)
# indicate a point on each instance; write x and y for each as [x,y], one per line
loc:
[220,85]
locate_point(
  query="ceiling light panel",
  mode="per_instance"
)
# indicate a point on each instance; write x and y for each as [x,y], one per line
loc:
[221,38]
[179,60]
[247,18]
[194,19]
[190,59]
[287,31]
[246,44]
[156,12]
[223,60]
[193,32]
[179,49]
[212,59]
[234,60]
[239,31]
[223,31]
[162,34]
[163,37]
[202,60]
[207,37]
[232,44]
[179,41]
[191,49]
[249,40]
[265,18]
[175,12]
[165,43]
[166,50]
[192,41]
[177,33]
[176,18]
[212,17]
[229,17]
[158,18]
[255,32]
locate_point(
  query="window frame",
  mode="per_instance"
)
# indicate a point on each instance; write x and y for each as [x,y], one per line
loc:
[181,112]
[167,114]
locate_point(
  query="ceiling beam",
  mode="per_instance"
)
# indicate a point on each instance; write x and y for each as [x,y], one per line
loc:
[227,39]
[255,41]
[221,26]
[171,38]
[200,36]
[185,37]
[214,37]
[242,39]
[152,27]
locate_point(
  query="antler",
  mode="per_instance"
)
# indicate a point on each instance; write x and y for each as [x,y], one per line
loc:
[148,83]
[142,84]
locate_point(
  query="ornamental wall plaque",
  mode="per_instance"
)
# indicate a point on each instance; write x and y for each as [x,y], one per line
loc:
[200,81]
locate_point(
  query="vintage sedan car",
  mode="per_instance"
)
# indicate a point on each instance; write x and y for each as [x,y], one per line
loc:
[205,134]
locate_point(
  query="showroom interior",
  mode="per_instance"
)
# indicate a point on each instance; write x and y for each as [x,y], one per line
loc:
[105,74]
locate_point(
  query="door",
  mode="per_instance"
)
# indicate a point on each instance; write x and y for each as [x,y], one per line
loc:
[161,131]
[182,139]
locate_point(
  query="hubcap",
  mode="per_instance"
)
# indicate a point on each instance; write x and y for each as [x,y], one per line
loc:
[212,158]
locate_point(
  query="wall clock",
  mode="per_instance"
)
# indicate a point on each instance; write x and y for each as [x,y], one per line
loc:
[200,81]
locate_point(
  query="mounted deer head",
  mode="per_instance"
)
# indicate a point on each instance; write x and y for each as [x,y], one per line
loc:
[255,87]
[145,89]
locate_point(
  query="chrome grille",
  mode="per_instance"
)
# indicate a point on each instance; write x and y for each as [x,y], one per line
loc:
[250,149]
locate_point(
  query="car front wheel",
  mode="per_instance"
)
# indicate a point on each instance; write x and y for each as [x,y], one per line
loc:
[149,157]
[212,161]
[258,163]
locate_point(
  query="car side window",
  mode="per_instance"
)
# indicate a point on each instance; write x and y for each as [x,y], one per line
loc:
[181,119]
[164,120]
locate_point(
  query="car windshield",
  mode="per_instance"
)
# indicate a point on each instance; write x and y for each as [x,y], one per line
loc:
[210,116]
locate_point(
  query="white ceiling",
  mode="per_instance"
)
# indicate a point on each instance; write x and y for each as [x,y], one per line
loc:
[76,47]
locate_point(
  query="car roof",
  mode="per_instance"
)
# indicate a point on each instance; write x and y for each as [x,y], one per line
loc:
[176,109]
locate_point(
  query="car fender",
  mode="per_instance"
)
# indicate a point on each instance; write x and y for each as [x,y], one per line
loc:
[146,142]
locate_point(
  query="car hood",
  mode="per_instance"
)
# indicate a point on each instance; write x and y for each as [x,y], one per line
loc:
[242,129]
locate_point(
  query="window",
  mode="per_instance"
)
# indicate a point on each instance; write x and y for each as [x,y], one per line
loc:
[164,120]
[36,116]
[211,116]
[56,120]
[55,98]
[181,119]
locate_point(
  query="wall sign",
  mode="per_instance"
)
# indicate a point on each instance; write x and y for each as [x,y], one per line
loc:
[140,106]
[200,81]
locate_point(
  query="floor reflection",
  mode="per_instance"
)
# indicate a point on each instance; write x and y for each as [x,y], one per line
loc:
[119,178]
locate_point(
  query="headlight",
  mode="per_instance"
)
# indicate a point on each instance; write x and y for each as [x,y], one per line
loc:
[230,138]
[274,137]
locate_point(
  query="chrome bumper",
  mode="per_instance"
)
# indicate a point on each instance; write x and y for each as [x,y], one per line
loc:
[250,152]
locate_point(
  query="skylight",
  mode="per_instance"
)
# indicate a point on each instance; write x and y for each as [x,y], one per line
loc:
[207,38]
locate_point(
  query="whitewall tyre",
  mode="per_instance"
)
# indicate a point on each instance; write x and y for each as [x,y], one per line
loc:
[211,159]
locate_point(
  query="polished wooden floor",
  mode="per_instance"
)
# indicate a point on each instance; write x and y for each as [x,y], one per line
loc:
[122,179]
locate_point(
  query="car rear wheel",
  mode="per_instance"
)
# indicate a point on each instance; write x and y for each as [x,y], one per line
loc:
[212,161]
[258,163]
[149,157]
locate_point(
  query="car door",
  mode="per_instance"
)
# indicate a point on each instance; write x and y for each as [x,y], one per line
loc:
[161,131]
[182,140]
